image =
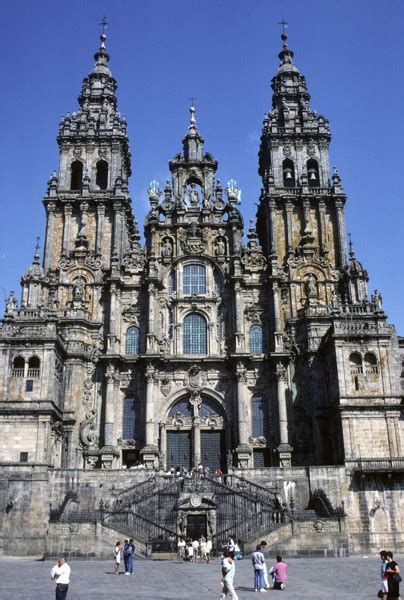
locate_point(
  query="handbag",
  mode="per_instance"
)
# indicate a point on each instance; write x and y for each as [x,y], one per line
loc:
[380,594]
[396,577]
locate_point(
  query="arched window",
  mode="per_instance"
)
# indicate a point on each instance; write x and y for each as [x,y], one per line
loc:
[194,339]
[218,283]
[259,411]
[355,362]
[101,178]
[194,279]
[131,419]
[288,170]
[76,179]
[132,340]
[18,366]
[183,407]
[256,340]
[313,173]
[172,283]
[371,365]
[34,366]
[209,407]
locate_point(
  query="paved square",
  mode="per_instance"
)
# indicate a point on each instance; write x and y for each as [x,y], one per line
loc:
[315,578]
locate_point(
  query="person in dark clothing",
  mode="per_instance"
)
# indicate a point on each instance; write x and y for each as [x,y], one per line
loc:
[393,572]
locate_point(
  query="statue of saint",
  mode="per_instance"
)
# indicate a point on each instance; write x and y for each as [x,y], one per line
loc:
[78,289]
[220,247]
[193,196]
[167,250]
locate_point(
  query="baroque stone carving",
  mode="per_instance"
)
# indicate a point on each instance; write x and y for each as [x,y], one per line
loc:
[88,426]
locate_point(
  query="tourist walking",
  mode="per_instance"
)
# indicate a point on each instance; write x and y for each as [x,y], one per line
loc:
[117,556]
[130,557]
[384,576]
[218,475]
[394,577]
[125,554]
[208,550]
[228,572]
[279,572]
[195,549]
[258,561]
[181,549]
[61,575]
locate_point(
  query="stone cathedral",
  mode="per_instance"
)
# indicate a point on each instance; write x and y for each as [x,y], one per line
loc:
[255,350]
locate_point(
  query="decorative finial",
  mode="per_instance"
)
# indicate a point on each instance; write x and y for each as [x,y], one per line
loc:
[284,24]
[192,110]
[36,255]
[351,250]
[104,25]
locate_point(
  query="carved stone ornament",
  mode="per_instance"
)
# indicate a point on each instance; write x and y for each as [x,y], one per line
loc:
[287,151]
[193,241]
[253,313]
[212,421]
[135,261]
[180,421]
[259,442]
[165,387]
[66,263]
[88,426]
[195,500]
[253,260]
[131,314]
[196,378]
[311,149]
[93,262]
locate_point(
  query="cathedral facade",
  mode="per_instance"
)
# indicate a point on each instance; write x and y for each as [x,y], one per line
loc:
[259,356]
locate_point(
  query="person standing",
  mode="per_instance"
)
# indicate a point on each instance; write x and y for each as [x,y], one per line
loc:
[258,561]
[61,575]
[195,549]
[125,555]
[117,556]
[384,576]
[263,545]
[181,549]
[208,550]
[228,572]
[130,557]
[394,578]
[279,571]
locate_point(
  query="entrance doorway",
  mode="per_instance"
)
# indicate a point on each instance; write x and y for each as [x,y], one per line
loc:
[179,449]
[213,453]
[196,526]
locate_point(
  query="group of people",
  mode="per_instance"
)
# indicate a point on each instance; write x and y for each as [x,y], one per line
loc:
[127,551]
[261,582]
[390,575]
[194,550]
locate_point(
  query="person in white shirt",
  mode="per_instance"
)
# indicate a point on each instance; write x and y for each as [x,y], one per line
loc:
[61,575]
[195,548]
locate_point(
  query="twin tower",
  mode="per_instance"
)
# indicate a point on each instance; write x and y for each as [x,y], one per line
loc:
[198,346]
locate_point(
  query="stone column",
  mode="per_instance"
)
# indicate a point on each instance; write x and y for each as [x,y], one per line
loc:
[339,205]
[289,228]
[116,246]
[163,446]
[323,227]
[197,441]
[271,209]
[109,452]
[306,215]
[100,228]
[239,318]
[112,336]
[277,317]
[50,247]
[150,450]
[66,228]
[150,331]
[243,448]
[284,449]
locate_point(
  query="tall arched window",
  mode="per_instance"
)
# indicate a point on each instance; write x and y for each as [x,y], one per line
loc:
[131,419]
[371,366]
[172,284]
[256,339]
[132,340]
[313,173]
[194,338]
[76,178]
[102,174]
[288,171]
[34,366]
[194,279]
[355,362]
[18,367]
[259,411]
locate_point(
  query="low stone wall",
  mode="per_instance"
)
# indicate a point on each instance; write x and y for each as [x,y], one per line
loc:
[86,540]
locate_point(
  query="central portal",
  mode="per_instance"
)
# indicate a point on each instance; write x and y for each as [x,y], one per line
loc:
[196,526]
[213,450]
[179,449]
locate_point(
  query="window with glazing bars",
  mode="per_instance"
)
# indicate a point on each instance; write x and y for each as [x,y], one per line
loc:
[171,283]
[256,343]
[194,340]
[260,426]
[194,279]
[131,419]
[132,340]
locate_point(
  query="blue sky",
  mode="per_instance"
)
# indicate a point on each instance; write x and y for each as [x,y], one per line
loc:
[224,53]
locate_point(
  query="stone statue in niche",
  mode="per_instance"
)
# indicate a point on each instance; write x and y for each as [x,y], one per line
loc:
[220,247]
[167,249]
[311,286]
[193,196]
[11,304]
[79,289]
[376,300]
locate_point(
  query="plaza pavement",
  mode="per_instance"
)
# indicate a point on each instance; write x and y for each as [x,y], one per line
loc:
[314,578]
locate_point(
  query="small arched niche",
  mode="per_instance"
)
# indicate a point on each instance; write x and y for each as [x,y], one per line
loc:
[76,175]
[101,178]
[313,174]
[288,171]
